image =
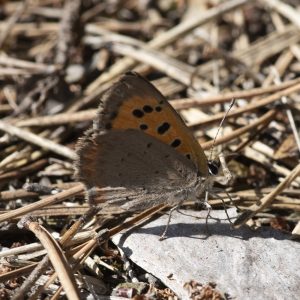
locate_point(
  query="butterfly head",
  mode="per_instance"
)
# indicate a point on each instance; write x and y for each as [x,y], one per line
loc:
[205,183]
[213,167]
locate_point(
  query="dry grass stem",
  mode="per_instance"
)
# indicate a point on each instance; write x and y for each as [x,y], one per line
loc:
[56,257]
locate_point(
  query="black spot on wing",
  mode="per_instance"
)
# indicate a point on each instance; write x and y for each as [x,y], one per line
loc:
[147,109]
[163,128]
[176,143]
[143,126]
[138,113]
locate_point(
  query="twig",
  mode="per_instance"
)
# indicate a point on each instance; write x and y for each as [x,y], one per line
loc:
[267,200]
[226,97]
[43,264]
[20,172]
[267,117]
[67,29]
[31,67]
[37,140]
[288,112]
[170,66]
[167,38]
[12,20]
[56,256]
[42,203]
[252,106]
[80,255]
[284,9]
[23,193]
[58,119]
[17,273]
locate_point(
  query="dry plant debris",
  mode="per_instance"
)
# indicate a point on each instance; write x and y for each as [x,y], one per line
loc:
[199,291]
[58,57]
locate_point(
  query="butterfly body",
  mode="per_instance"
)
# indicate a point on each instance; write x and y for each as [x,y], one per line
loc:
[139,152]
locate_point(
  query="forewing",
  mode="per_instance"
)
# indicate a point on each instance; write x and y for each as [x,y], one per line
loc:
[133,102]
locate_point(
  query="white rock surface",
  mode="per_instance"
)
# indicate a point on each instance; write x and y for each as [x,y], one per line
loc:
[245,264]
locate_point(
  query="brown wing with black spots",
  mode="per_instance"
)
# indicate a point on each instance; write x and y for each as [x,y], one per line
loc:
[134,103]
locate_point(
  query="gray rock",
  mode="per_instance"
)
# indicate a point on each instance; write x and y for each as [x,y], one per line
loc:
[245,264]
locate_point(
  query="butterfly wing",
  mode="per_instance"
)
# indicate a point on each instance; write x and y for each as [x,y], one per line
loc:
[131,168]
[133,102]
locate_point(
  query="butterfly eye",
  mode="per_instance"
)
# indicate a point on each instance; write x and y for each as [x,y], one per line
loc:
[213,167]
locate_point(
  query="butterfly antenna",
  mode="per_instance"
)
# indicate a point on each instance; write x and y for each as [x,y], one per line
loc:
[224,205]
[221,124]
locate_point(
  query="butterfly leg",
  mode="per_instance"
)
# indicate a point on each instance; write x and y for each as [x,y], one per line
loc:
[163,235]
[224,205]
[227,176]
[208,207]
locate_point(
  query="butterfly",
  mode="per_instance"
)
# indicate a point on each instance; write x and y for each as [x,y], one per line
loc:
[139,152]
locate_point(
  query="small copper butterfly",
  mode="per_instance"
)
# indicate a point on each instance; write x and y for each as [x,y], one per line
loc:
[139,152]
